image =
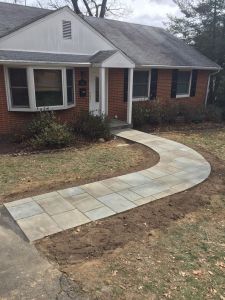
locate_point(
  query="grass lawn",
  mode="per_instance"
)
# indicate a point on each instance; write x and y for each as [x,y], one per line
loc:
[30,174]
[173,248]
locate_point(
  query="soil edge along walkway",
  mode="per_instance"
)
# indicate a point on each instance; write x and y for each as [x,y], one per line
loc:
[179,169]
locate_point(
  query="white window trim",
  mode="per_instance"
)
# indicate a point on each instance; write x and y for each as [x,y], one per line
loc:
[189,90]
[136,99]
[31,89]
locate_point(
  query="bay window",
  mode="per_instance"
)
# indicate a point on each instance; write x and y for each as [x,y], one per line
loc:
[18,87]
[31,89]
[48,87]
[70,86]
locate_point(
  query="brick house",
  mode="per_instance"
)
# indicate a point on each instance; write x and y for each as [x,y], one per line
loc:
[57,60]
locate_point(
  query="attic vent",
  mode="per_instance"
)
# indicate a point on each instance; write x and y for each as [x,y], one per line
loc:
[67,30]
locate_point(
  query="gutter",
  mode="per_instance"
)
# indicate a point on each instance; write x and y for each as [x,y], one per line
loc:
[31,62]
[179,67]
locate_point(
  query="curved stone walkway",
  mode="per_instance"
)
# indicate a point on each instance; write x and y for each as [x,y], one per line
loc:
[179,168]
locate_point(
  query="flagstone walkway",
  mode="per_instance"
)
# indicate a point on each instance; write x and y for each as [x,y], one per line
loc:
[179,168]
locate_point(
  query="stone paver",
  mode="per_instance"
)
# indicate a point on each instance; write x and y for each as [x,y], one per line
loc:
[99,213]
[70,219]
[85,202]
[116,202]
[179,168]
[55,205]
[36,227]
[25,210]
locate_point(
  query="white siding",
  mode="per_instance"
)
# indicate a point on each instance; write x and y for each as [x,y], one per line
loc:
[46,36]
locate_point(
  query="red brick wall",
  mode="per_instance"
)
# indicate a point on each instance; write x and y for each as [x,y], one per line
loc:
[116,104]
[14,121]
[164,88]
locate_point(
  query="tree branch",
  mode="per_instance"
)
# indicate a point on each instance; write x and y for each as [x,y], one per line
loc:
[88,8]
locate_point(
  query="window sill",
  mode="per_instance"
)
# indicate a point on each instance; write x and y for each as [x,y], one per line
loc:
[140,99]
[38,109]
[183,96]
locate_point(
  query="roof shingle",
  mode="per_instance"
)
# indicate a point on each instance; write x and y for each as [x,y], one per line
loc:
[24,56]
[147,45]
[14,16]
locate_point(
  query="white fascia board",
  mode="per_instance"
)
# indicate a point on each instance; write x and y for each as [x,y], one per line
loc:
[178,67]
[46,63]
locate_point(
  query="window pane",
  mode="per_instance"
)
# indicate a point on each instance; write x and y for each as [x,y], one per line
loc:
[69,77]
[140,77]
[69,81]
[18,77]
[140,84]
[70,95]
[18,87]
[140,91]
[19,97]
[183,82]
[97,89]
[48,87]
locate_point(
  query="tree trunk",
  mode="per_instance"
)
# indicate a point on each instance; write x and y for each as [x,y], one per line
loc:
[76,7]
[103,9]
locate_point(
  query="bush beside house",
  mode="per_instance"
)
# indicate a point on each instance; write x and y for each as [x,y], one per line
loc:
[156,113]
[45,131]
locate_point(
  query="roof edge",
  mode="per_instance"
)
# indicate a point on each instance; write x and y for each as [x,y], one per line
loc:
[51,12]
[179,67]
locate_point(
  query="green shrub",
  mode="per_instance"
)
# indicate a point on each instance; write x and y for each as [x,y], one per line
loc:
[45,132]
[214,113]
[140,115]
[169,113]
[195,114]
[91,126]
[154,114]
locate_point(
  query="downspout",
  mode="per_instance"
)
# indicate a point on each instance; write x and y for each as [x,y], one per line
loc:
[207,91]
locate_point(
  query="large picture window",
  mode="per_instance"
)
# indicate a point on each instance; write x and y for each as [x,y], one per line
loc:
[31,89]
[48,87]
[18,87]
[141,84]
[183,83]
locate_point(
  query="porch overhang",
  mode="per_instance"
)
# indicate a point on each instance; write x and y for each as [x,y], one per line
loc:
[111,59]
[41,58]
[102,59]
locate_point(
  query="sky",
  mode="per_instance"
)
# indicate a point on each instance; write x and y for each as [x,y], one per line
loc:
[148,12]
[151,12]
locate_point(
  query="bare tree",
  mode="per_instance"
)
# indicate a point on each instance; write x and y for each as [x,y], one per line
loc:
[94,8]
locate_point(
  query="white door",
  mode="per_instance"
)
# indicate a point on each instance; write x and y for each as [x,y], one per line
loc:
[94,101]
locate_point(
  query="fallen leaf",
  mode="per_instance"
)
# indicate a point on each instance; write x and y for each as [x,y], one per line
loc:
[114,273]
[211,273]
[220,264]
[198,272]
[182,273]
